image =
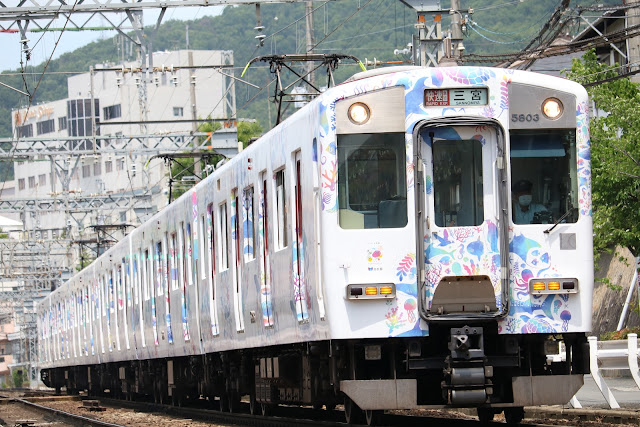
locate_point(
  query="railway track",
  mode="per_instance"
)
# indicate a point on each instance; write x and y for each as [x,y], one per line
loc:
[284,416]
[68,417]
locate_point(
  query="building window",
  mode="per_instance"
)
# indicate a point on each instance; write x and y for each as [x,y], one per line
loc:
[97,168]
[112,112]
[32,182]
[62,123]
[123,216]
[21,184]
[46,126]
[178,111]
[120,164]
[79,116]
[25,131]
[108,166]
[42,179]
[86,171]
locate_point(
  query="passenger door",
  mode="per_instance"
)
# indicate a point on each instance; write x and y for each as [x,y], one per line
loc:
[462,221]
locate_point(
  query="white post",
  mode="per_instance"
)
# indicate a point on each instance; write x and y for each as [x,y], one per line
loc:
[632,342]
[575,403]
[632,288]
[595,373]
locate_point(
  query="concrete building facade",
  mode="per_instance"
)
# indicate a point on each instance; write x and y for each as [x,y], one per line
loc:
[184,86]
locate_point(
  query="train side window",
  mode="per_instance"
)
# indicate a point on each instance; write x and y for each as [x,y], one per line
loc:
[457,183]
[165,286]
[119,286]
[112,298]
[189,256]
[136,278]
[173,259]
[212,250]
[372,188]
[544,180]
[129,288]
[265,224]
[145,274]
[160,270]
[182,260]
[248,221]
[201,249]
[281,210]
[224,243]
[104,295]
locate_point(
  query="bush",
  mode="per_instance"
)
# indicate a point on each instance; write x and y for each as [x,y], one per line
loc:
[619,335]
[18,378]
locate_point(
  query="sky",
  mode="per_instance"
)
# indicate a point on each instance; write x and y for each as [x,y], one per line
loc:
[42,44]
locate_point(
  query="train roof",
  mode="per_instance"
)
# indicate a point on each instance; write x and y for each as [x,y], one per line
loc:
[381,71]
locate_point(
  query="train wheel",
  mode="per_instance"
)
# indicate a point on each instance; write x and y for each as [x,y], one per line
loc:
[372,417]
[234,402]
[514,415]
[177,398]
[224,402]
[485,415]
[254,406]
[352,412]
[266,409]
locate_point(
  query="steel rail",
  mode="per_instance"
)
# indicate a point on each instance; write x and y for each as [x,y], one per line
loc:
[67,415]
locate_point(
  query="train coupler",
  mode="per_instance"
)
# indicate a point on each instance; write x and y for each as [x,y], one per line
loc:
[467,376]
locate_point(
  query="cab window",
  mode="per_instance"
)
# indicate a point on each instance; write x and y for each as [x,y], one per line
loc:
[544,183]
[372,190]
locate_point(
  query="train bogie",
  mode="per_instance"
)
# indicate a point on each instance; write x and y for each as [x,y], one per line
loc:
[380,248]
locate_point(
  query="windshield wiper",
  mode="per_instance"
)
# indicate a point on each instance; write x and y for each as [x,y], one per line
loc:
[566,214]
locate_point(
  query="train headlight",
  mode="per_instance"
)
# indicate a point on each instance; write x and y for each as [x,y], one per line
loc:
[552,108]
[359,113]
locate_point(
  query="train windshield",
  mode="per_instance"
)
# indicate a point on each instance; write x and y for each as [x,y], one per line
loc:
[544,183]
[372,189]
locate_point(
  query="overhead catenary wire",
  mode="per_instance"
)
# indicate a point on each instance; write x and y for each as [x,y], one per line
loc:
[32,94]
[572,47]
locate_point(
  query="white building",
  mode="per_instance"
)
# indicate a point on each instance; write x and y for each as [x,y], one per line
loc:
[119,107]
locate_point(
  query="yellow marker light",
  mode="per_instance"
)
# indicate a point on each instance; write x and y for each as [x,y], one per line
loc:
[359,113]
[385,290]
[554,286]
[370,290]
[538,286]
[552,108]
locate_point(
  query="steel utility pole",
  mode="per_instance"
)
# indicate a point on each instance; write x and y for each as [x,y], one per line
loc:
[430,49]
[308,7]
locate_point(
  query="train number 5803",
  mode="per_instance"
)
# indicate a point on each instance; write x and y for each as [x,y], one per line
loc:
[525,118]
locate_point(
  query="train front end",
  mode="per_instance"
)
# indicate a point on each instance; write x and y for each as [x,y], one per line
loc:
[456,238]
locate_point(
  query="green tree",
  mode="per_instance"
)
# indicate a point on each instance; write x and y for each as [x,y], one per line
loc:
[183,167]
[18,378]
[615,154]
[248,129]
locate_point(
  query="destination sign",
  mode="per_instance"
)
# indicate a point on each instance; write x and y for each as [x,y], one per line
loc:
[455,97]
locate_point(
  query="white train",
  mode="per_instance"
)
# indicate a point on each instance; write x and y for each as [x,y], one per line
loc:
[415,237]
